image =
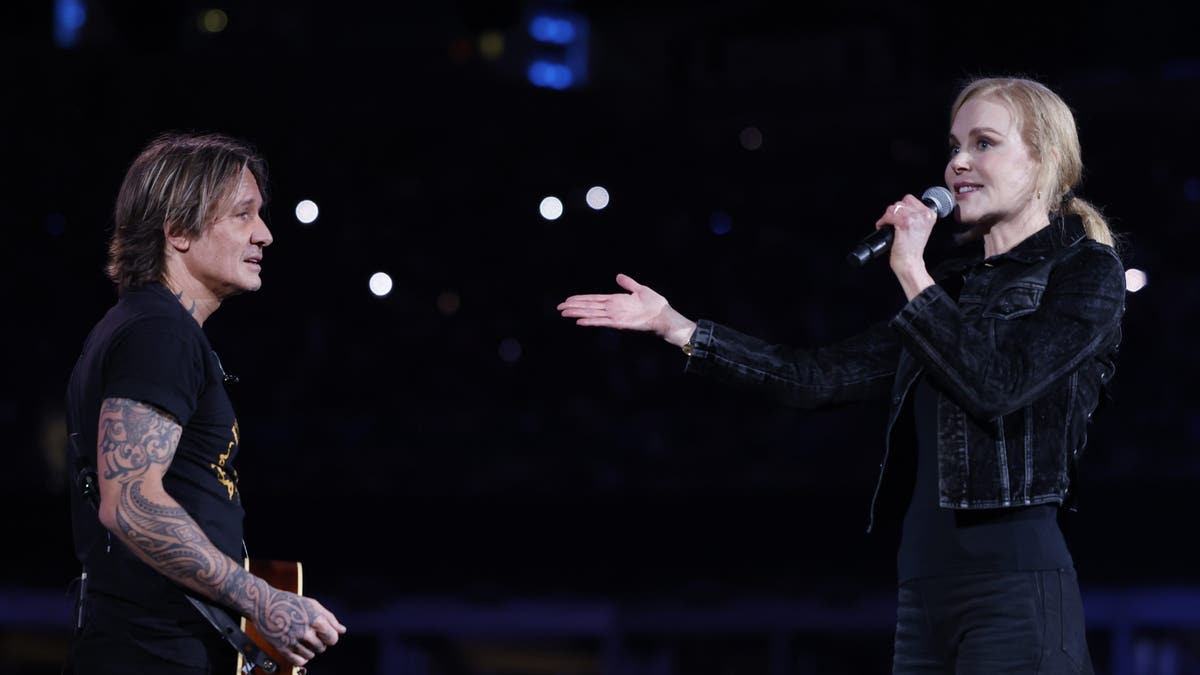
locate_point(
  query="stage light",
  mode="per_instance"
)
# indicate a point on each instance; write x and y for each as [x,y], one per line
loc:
[751,138]
[559,59]
[550,75]
[213,21]
[597,197]
[56,224]
[459,50]
[380,284]
[491,45]
[69,18]
[551,208]
[306,211]
[448,303]
[1135,280]
[1191,189]
[720,223]
[551,29]
[509,350]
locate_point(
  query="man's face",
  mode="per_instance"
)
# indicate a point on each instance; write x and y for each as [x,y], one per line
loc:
[227,257]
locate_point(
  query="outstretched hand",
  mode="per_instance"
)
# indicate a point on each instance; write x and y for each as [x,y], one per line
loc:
[641,309]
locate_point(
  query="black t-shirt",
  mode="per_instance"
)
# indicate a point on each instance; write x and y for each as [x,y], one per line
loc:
[940,542]
[148,348]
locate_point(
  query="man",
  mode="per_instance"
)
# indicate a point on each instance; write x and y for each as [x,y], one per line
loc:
[155,432]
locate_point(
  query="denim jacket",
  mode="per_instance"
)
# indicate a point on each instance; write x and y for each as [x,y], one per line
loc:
[1020,344]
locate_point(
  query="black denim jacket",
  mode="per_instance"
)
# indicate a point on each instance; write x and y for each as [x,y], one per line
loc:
[1022,357]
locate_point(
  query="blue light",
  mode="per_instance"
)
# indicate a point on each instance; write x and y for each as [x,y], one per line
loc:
[69,17]
[1191,189]
[720,223]
[550,75]
[56,224]
[1181,70]
[559,59]
[551,29]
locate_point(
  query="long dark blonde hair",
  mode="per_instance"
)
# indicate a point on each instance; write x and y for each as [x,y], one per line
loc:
[1048,129]
[181,181]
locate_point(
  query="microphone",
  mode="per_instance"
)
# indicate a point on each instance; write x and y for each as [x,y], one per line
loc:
[937,198]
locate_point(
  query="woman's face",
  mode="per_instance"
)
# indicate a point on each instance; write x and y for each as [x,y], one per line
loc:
[991,172]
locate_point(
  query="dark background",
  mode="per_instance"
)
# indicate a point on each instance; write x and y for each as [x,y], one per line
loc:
[458,438]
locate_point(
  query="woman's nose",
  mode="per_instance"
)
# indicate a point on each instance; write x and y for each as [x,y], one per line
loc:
[959,162]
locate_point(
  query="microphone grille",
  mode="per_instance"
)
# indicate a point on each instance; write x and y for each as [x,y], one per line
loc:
[939,199]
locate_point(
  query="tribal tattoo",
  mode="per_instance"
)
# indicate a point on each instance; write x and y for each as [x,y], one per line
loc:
[137,443]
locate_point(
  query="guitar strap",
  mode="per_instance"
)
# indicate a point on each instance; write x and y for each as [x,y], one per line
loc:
[225,625]
[85,478]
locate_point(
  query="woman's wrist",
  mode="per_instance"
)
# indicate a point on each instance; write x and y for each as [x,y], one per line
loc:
[674,327]
[913,278]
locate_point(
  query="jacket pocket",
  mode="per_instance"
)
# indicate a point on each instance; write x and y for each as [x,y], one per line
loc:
[1014,301]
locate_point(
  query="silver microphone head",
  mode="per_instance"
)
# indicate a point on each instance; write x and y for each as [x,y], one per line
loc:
[940,200]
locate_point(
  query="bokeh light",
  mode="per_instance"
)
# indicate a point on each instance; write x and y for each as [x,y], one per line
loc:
[551,208]
[597,198]
[380,284]
[306,211]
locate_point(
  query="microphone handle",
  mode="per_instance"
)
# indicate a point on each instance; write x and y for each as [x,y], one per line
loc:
[879,241]
[873,246]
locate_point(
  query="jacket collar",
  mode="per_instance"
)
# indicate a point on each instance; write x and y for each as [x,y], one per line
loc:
[1063,231]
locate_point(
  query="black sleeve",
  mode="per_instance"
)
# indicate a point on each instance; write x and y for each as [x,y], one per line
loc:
[857,368]
[156,361]
[1081,307]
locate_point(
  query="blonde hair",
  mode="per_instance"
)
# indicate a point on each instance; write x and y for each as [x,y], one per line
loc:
[1048,129]
[180,181]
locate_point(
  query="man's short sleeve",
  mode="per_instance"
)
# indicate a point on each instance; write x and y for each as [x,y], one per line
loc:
[157,362]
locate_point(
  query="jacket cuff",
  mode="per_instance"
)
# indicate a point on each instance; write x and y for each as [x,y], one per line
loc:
[698,347]
[912,312]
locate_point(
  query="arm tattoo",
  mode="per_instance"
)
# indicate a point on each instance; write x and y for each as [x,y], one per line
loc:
[136,445]
[133,436]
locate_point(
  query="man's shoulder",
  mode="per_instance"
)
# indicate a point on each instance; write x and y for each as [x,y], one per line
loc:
[150,313]
[151,306]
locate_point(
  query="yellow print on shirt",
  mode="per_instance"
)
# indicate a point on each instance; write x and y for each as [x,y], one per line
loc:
[228,478]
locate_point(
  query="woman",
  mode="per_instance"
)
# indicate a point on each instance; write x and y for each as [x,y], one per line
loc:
[994,368]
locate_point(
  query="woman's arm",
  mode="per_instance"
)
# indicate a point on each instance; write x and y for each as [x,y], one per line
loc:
[854,369]
[1079,312]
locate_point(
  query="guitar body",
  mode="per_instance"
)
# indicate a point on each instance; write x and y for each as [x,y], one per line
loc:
[286,576]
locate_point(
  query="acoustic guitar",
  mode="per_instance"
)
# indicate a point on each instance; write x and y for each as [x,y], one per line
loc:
[286,576]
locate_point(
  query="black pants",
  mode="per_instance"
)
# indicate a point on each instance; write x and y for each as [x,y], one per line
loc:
[996,623]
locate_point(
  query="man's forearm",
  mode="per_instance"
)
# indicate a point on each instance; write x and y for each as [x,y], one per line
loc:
[163,535]
[137,443]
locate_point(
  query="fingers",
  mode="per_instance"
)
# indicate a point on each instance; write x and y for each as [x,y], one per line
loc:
[585,312]
[299,654]
[321,633]
[905,213]
[325,625]
[596,300]
[595,297]
[327,629]
[583,304]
